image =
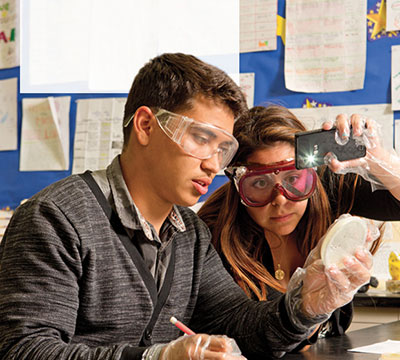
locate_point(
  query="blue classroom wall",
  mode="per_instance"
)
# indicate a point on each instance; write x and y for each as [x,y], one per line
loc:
[16,185]
[269,87]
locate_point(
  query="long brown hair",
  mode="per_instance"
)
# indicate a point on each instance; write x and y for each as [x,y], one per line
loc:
[238,239]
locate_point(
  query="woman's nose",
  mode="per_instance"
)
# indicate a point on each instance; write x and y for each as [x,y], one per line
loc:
[277,196]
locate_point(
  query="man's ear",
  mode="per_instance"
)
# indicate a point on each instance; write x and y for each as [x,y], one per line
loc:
[143,123]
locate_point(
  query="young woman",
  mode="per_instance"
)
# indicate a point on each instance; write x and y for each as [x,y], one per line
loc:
[268,218]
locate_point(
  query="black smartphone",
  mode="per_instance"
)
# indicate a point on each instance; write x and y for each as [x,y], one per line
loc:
[312,146]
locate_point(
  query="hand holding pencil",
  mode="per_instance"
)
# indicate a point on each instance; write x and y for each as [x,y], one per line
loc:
[200,346]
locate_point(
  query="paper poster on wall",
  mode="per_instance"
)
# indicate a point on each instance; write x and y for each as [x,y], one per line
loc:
[258,25]
[98,134]
[325,45]
[395,77]
[8,114]
[45,134]
[247,86]
[392,15]
[397,136]
[5,216]
[98,30]
[381,113]
[9,28]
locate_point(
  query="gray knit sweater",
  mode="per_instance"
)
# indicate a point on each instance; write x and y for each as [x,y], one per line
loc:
[70,290]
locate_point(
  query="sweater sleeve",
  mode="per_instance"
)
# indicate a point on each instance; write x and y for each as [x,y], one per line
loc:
[359,200]
[41,268]
[258,327]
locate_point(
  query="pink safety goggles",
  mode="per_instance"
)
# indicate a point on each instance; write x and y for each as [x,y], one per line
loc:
[256,184]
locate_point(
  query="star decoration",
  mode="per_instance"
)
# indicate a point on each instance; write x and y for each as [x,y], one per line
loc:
[376,23]
[311,103]
[378,19]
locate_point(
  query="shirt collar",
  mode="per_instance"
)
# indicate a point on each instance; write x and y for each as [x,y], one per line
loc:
[126,209]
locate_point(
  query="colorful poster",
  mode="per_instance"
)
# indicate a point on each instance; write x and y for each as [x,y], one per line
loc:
[9,27]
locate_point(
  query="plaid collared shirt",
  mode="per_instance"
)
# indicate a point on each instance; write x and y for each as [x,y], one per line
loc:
[154,248]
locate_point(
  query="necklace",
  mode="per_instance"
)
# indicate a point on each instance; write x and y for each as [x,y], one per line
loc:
[279,273]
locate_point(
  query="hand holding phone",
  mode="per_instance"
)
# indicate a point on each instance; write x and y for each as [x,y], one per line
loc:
[312,146]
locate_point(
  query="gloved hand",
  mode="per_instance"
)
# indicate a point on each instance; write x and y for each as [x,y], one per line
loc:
[380,166]
[201,346]
[315,291]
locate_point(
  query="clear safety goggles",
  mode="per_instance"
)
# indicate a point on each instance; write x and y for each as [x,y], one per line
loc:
[197,139]
[256,184]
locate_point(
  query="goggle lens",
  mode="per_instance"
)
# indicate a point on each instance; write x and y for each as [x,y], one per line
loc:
[198,139]
[257,186]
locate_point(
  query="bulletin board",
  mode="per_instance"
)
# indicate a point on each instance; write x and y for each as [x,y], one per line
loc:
[268,67]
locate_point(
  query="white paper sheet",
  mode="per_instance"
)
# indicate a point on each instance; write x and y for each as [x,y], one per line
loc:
[392,15]
[9,34]
[98,30]
[385,347]
[247,86]
[8,114]
[45,134]
[396,77]
[397,136]
[381,113]
[98,133]
[5,216]
[258,25]
[325,45]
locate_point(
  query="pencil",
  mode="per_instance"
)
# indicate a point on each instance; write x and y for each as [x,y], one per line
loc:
[181,326]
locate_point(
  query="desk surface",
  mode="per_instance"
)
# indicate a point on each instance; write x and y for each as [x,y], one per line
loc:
[336,347]
[377,298]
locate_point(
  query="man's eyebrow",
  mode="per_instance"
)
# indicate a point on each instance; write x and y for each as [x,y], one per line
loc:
[226,142]
[206,131]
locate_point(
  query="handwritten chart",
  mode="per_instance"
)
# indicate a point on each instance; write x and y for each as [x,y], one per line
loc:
[396,77]
[8,114]
[5,216]
[381,113]
[392,15]
[258,25]
[98,134]
[247,86]
[45,134]
[325,45]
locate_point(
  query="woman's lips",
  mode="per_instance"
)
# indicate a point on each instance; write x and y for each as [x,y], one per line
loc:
[281,218]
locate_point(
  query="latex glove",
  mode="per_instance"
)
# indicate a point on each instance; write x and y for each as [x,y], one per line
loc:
[202,346]
[315,291]
[380,166]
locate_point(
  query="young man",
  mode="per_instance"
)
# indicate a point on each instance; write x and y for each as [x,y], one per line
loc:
[94,266]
